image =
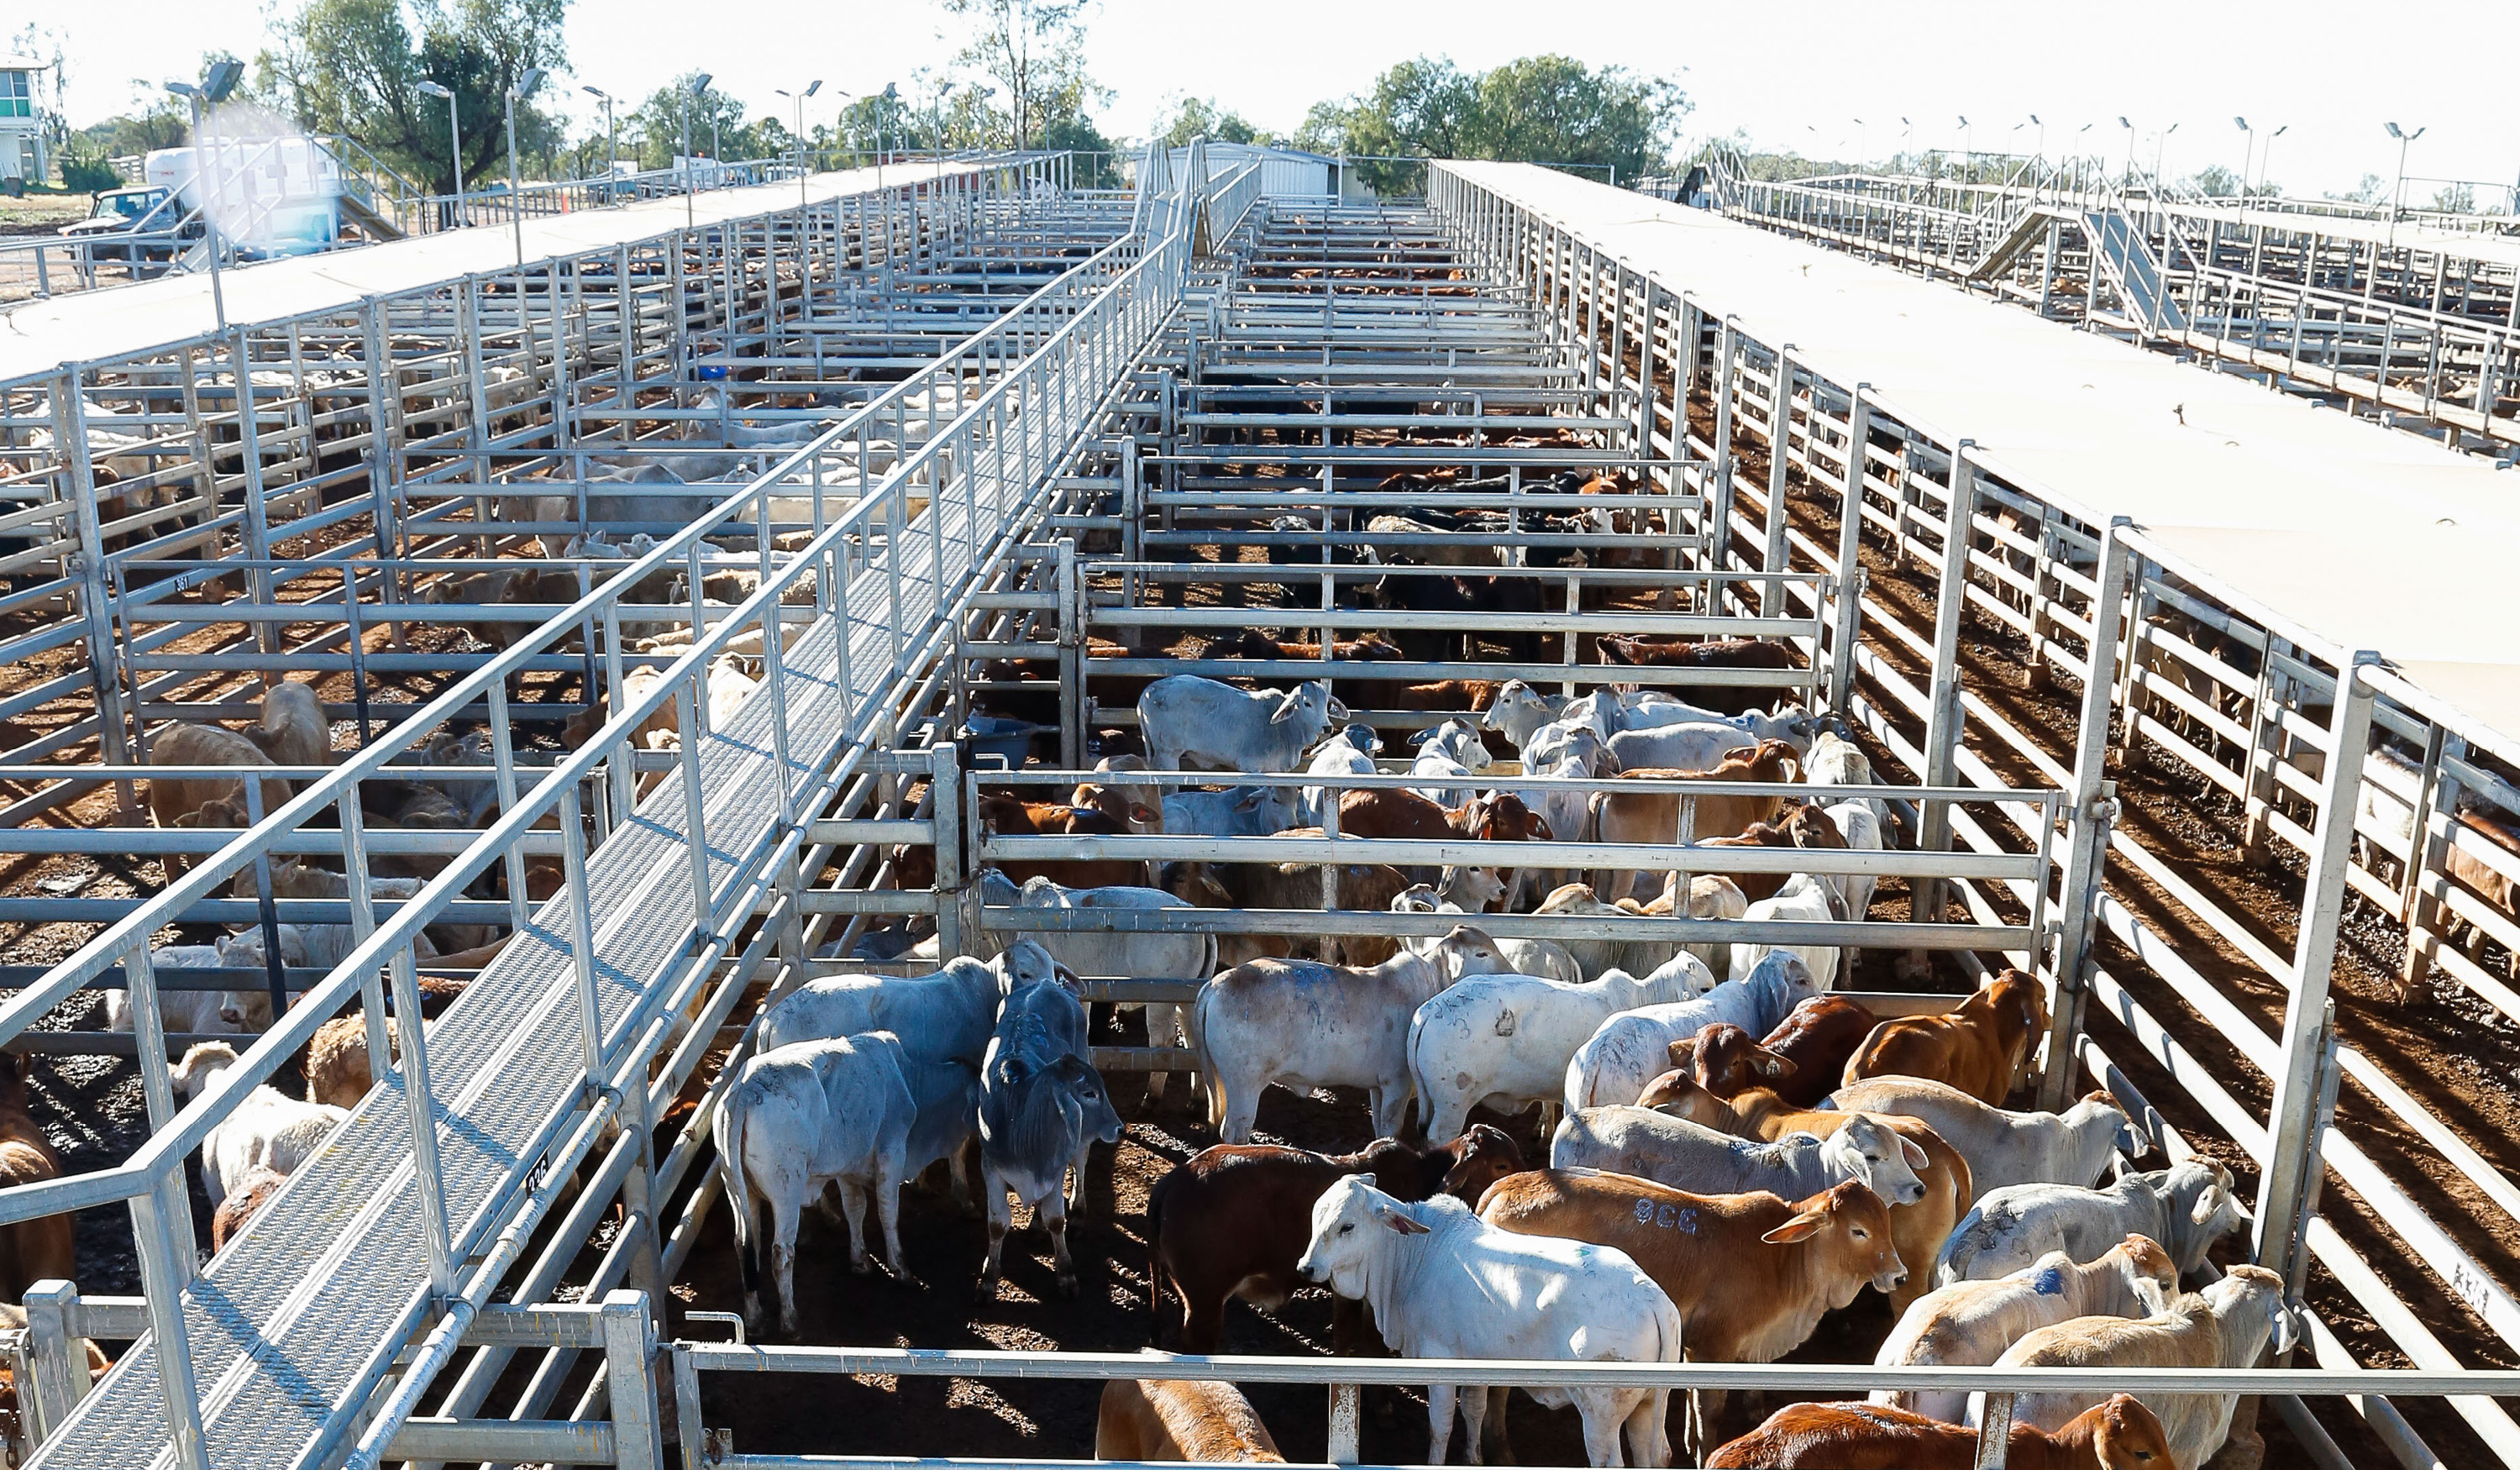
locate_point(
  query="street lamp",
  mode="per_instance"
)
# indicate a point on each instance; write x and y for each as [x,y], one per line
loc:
[937,118]
[798,97]
[531,78]
[699,85]
[2043,136]
[2127,179]
[2266,154]
[2159,144]
[1968,156]
[213,88]
[2398,196]
[454,145]
[612,142]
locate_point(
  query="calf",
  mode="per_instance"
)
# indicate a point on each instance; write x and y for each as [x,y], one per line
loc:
[1138,805]
[948,1014]
[293,731]
[1629,1051]
[1803,899]
[1983,1047]
[1921,1223]
[1805,826]
[1235,812]
[252,1194]
[1230,1220]
[1814,1043]
[266,1129]
[1444,1283]
[1005,816]
[38,1248]
[1686,1155]
[2120,1434]
[1041,1109]
[1303,1024]
[1654,816]
[1350,752]
[859,1111]
[2186,1208]
[1750,1274]
[1150,1419]
[1117,952]
[195,1013]
[1195,724]
[2006,1148]
[339,1070]
[1974,1323]
[2229,1325]
[173,799]
[1708,898]
[1503,1041]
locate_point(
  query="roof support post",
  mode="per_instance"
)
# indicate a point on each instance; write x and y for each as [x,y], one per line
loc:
[2088,819]
[1943,707]
[2306,1089]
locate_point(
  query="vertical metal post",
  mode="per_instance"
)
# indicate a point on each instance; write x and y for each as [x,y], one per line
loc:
[581,936]
[2436,822]
[363,922]
[503,762]
[149,1031]
[1073,650]
[58,1370]
[1849,611]
[2093,807]
[695,803]
[423,1109]
[1943,710]
[1720,550]
[1343,1450]
[953,936]
[1780,438]
[70,433]
[1994,1434]
[161,1219]
[2296,1118]
[687,1428]
[629,1357]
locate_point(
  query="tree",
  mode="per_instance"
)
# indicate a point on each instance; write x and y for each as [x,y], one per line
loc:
[2214,181]
[1098,159]
[354,67]
[2456,198]
[1324,129]
[718,129]
[1034,50]
[2374,190]
[1202,117]
[1540,110]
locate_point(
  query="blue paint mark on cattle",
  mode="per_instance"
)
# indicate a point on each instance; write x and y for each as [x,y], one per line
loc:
[2050,1283]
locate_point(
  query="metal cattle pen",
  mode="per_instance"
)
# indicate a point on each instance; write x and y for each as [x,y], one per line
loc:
[1050,441]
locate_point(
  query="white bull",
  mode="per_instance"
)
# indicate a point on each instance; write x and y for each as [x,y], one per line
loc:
[1195,724]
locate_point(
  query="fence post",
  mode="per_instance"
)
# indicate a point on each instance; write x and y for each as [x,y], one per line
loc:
[2094,809]
[1073,649]
[1781,440]
[1342,1448]
[1850,554]
[2436,819]
[1994,1433]
[956,934]
[1943,709]
[629,1356]
[2298,1115]
[60,1380]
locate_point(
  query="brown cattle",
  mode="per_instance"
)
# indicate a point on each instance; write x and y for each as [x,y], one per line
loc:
[1144,1419]
[31,1250]
[1654,816]
[1716,653]
[1724,1059]
[1983,1047]
[292,731]
[1232,1220]
[1196,883]
[1138,805]
[1817,1038]
[1919,1229]
[2118,1434]
[249,1195]
[1807,826]
[1750,1273]
[1441,696]
[1005,816]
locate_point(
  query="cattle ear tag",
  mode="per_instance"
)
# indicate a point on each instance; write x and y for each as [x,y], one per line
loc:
[1504,1024]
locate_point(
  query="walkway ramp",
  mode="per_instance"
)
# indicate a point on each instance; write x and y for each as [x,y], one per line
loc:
[2122,254]
[370,223]
[292,1321]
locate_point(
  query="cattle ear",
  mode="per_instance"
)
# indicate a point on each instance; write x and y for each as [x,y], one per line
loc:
[1802,1227]
[1540,830]
[1399,1220]
[1914,1153]
[1139,811]
[1773,1065]
[2206,1204]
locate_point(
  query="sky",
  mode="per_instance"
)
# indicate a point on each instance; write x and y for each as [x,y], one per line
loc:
[1793,76]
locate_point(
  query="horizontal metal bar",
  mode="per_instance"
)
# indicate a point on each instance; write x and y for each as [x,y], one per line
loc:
[1410,850]
[754,1358]
[560,1441]
[550,1324]
[870,829]
[1376,924]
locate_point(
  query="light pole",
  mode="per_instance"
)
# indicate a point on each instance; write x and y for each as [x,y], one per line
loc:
[2266,154]
[2159,145]
[2043,136]
[699,85]
[2125,180]
[531,78]
[1968,156]
[454,146]
[1862,145]
[611,143]
[213,88]
[936,118]
[2398,196]
[798,97]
